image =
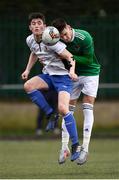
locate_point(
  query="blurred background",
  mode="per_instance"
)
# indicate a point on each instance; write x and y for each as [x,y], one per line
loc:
[100,18]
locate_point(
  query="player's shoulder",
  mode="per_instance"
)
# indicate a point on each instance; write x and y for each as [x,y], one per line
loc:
[60,43]
[82,34]
[30,39]
[57,45]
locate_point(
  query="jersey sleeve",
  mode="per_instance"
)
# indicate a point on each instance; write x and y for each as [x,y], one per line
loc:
[29,41]
[58,47]
[87,51]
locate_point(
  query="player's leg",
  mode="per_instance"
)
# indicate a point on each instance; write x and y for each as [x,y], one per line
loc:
[65,152]
[87,106]
[33,87]
[52,99]
[90,91]
[63,85]
[39,121]
[65,135]
[63,107]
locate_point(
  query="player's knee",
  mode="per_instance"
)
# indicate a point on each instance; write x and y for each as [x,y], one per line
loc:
[62,109]
[88,99]
[28,86]
[87,106]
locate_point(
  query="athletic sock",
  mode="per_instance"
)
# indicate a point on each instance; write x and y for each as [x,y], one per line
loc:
[37,98]
[71,127]
[65,134]
[88,124]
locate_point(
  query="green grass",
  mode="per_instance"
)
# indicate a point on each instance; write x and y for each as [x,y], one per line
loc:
[38,160]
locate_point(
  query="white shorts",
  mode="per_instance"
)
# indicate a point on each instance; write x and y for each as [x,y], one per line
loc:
[88,85]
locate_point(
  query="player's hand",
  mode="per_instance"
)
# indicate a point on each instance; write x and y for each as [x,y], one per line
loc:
[73,76]
[25,75]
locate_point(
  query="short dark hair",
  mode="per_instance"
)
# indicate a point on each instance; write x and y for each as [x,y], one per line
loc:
[36,15]
[59,23]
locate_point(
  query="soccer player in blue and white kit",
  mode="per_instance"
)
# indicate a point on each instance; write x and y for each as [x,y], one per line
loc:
[55,76]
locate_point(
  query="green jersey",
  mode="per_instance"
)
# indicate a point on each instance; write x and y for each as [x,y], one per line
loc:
[82,48]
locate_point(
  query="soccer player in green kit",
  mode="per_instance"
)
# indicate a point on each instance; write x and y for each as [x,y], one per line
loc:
[80,44]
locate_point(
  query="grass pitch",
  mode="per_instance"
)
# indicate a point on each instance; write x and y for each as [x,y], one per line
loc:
[38,160]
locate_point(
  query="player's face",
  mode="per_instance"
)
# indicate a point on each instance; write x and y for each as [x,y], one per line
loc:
[37,26]
[66,34]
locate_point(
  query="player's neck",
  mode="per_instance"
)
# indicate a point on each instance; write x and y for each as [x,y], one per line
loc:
[38,38]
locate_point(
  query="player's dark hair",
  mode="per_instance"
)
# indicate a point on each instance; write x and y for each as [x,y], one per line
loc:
[36,15]
[59,23]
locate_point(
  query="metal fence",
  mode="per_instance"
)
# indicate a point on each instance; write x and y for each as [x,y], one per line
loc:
[14,53]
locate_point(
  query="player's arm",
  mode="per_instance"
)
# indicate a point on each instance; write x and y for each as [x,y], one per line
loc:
[32,60]
[66,55]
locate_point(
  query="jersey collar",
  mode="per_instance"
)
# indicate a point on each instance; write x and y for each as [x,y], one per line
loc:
[73,35]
